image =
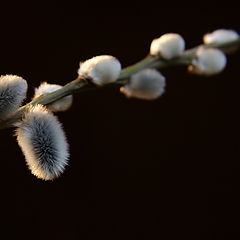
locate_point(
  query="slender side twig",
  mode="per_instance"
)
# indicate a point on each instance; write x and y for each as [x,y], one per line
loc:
[80,84]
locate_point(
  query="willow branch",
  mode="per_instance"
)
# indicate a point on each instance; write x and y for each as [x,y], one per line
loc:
[184,59]
[81,84]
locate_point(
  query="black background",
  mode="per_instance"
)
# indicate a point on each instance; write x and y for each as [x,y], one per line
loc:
[162,169]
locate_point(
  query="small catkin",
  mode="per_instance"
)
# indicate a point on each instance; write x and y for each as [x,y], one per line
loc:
[147,84]
[101,69]
[208,61]
[13,90]
[168,46]
[43,143]
[60,105]
[220,36]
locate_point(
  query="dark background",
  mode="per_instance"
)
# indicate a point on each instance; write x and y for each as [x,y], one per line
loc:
[164,169]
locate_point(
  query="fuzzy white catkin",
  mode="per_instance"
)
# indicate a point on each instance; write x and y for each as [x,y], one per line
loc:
[13,91]
[220,36]
[43,143]
[101,69]
[208,61]
[62,104]
[168,46]
[147,84]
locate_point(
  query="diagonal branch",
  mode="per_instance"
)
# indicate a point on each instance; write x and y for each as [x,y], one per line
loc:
[80,84]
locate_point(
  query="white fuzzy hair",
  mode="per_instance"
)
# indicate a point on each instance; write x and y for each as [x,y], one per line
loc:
[208,61]
[220,36]
[147,84]
[43,143]
[101,69]
[13,91]
[168,46]
[62,104]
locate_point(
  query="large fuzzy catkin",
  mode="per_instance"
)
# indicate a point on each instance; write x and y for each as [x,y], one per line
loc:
[13,91]
[60,105]
[43,143]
